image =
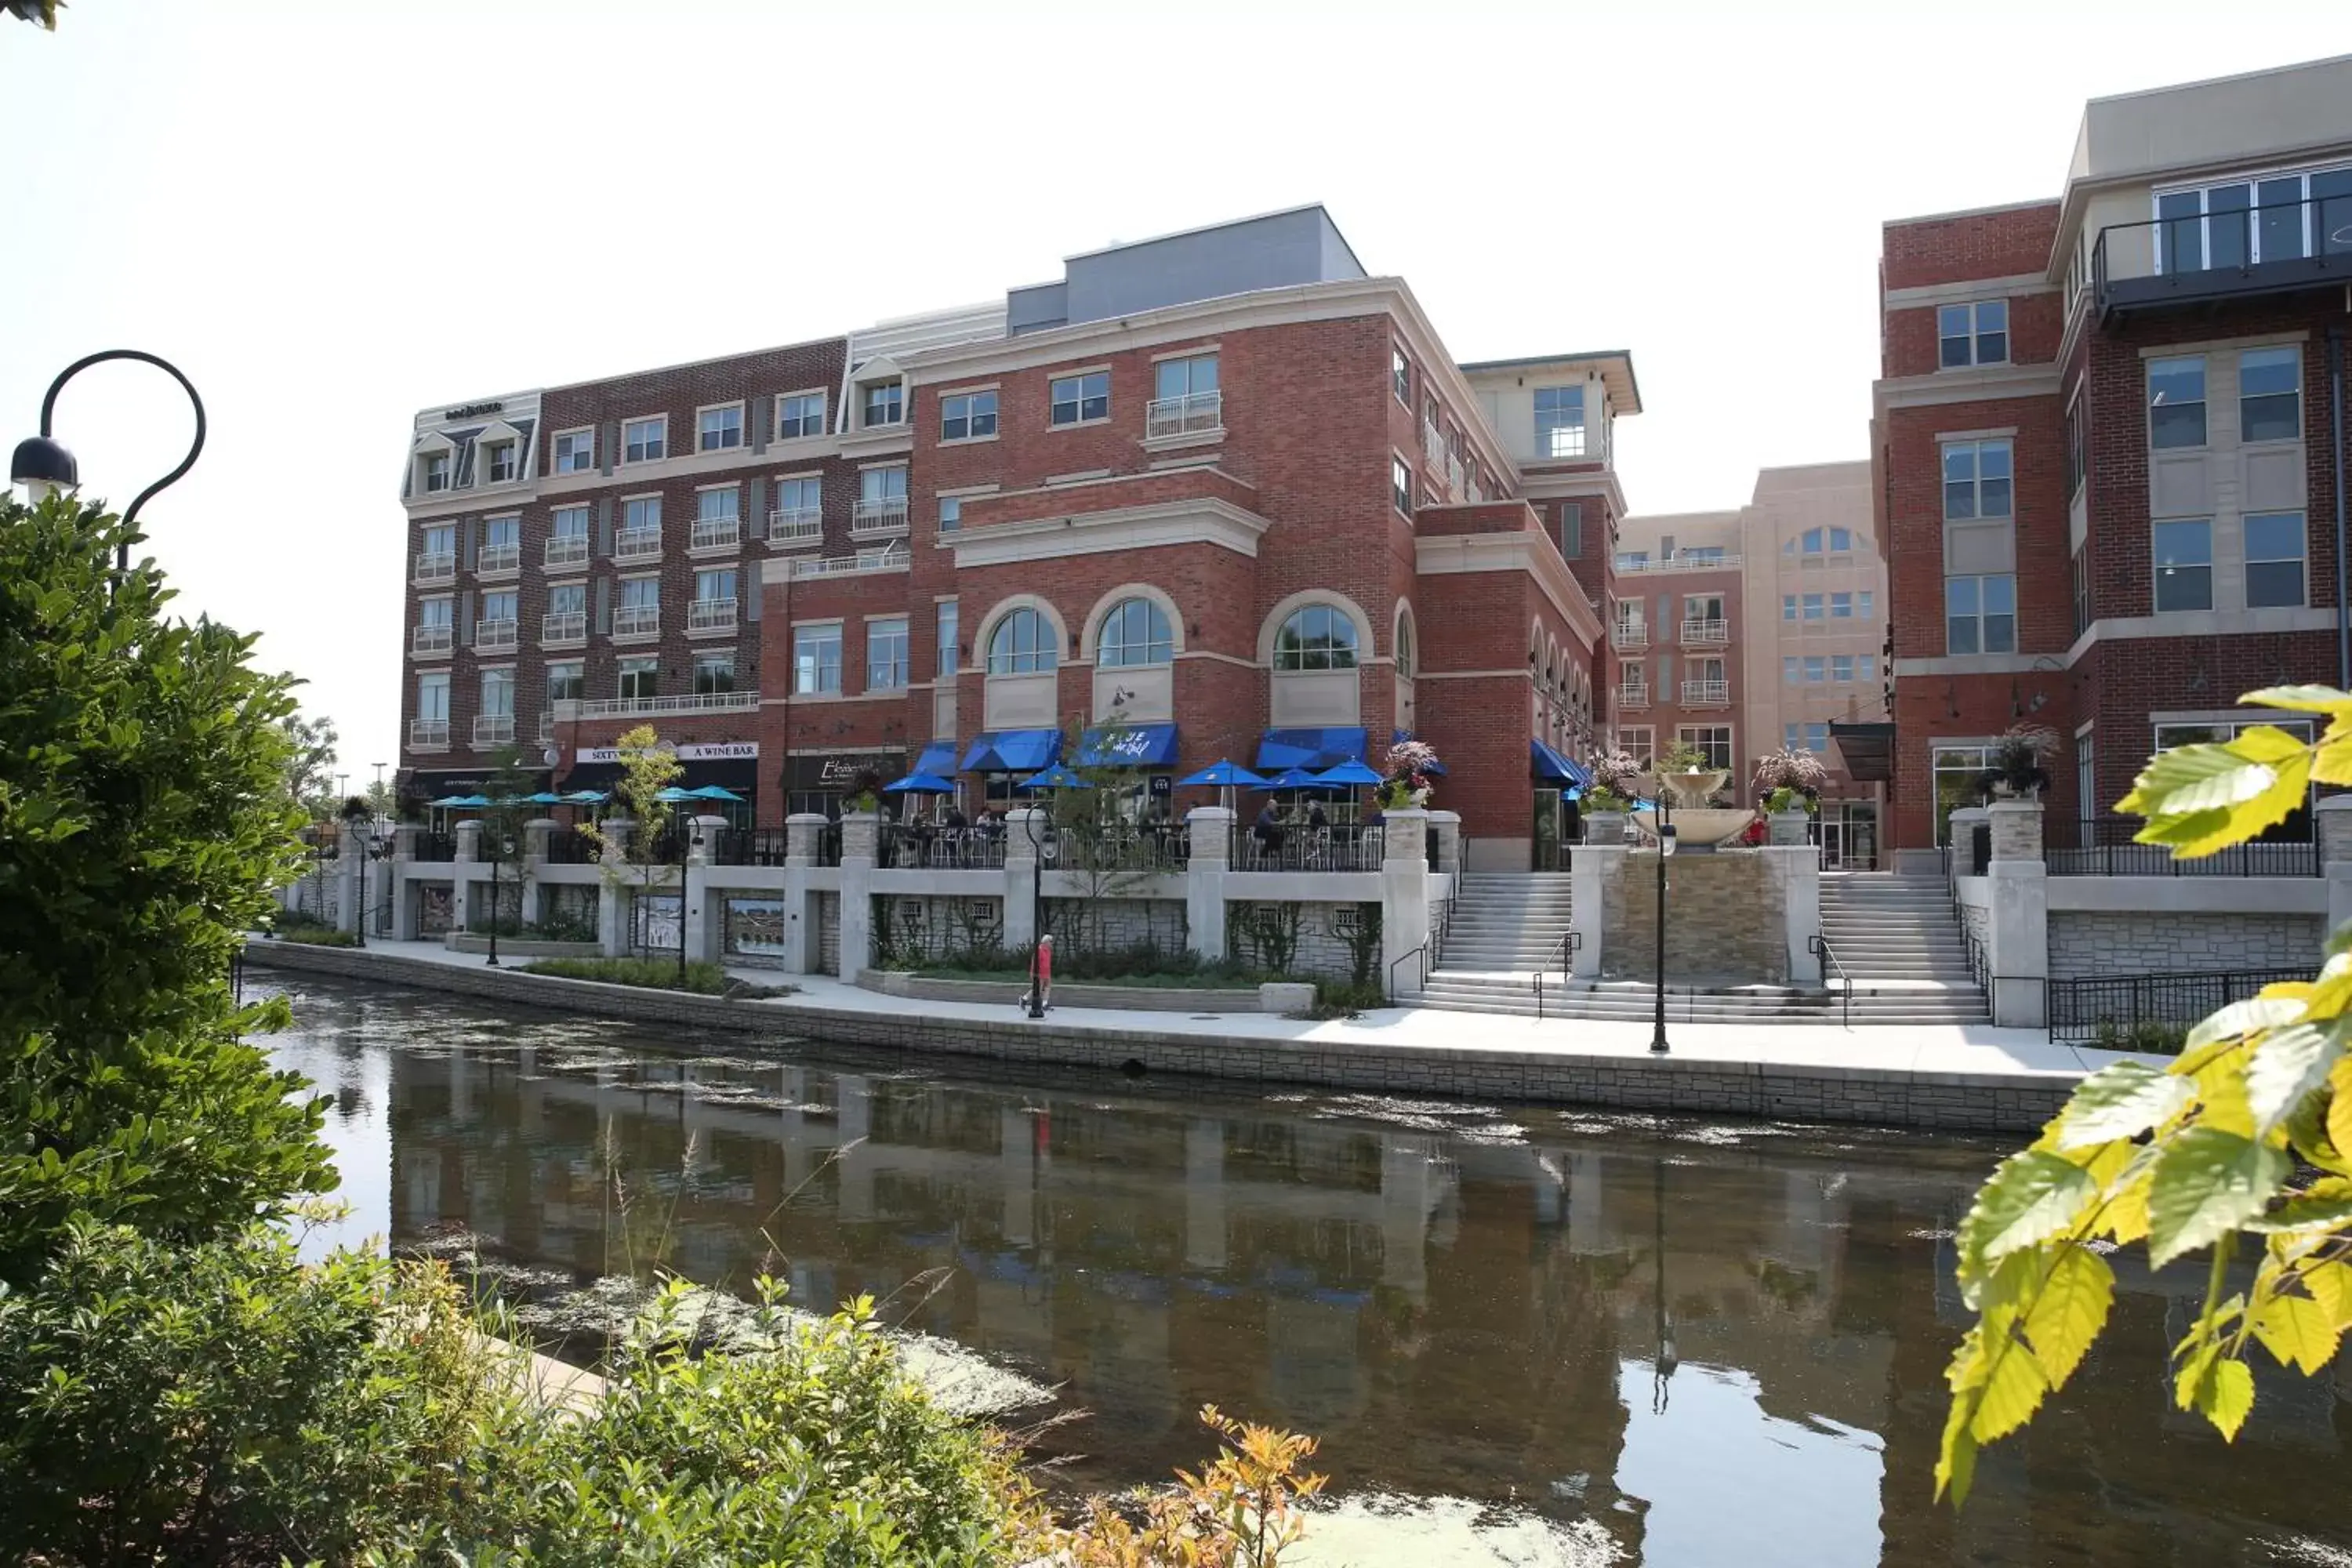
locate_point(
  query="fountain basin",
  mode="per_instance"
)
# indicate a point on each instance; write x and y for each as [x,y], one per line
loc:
[1699,824]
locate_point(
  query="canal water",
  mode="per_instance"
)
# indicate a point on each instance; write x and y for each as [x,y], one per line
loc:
[1525,1335]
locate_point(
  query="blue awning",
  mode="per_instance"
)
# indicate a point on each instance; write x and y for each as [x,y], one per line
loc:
[1434,770]
[1313,750]
[1128,746]
[939,759]
[1013,752]
[1553,768]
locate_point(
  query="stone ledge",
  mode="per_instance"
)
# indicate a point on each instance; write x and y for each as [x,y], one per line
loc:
[1009,993]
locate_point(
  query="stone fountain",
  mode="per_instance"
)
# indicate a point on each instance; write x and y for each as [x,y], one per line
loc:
[1697,824]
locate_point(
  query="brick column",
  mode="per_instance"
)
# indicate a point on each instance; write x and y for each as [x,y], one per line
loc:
[1021,910]
[1209,835]
[2017,945]
[1448,826]
[613,901]
[861,836]
[2333,818]
[1404,893]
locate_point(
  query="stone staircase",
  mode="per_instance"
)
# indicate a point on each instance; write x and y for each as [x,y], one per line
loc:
[1894,936]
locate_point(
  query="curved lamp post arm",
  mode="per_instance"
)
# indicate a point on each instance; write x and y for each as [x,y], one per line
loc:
[46,460]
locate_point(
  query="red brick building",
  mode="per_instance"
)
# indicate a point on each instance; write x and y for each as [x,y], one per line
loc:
[1220,494]
[2105,474]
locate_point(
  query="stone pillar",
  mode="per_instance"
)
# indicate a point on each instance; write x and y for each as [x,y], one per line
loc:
[531,860]
[350,855]
[1786,827]
[1797,878]
[1021,910]
[1604,827]
[468,836]
[2017,937]
[861,836]
[1448,826]
[2333,818]
[1404,894]
[1209,834]
[704,926]
[1965,820]
[612,899]
[802,830]
[394,873]
[1593,871]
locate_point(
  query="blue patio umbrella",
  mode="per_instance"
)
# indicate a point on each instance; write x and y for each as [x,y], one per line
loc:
[919,784]
[1224,775]
[714,792]
[1055,777]
[1291,778]
[586,798]
[1349,773]
[673,795]
[462,802]
[544,797]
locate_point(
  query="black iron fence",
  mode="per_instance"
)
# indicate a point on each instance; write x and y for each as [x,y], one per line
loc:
[1140,849]
[921,847]
[2149,1012]
[570,846]
[2104,847]
[752,846]
[436,847]
[1308,850]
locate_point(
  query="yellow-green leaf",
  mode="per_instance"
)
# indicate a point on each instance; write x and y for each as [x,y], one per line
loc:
[2301,699]
[2208,1183]
[1955,1462]
[2011,1394]
[2288,1064]
[2223,1396]
[2339,1108]
[2263,1012]
[2070,1311]
[2031,1197]
[2330,1285]
[2304,1213]
[2122,1101]
[2297,1330]
[2190,779]
[2332,763]
[2268,743]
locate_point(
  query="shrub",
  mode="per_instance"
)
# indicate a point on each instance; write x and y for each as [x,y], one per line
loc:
[652,974]
[1346,998]
[319,936]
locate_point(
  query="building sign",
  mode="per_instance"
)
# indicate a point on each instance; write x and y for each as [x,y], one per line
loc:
[467,411]
[838,773]
[694,752]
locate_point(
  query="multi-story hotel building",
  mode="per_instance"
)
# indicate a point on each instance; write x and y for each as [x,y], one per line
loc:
[1740,632]
[1220,494]
[2107,441]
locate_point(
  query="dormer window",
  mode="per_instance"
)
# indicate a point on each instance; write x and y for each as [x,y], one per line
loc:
[885,404]
[499,462]
[436,471]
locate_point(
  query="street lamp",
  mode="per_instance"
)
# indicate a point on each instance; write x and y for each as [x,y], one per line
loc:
[1663,1369]
[1035,1003]
[1666,853]
[371,847]
[42,463]
[500,847]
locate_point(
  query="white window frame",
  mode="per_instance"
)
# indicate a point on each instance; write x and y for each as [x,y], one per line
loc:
[1548,447]
[661,420]
[2295,350]
[436,681]
[1401,374]
[1684,734]
[1976,449]
[1078,402]
[2253,180]
[894,387]
[949,630]
[1400,484]
[579,666]
[2302,560]
[711,660]
[2158,571]
[645,665]
[817,629]
[804,434]
[902,666]
[2204,403]
[574,461]
[1043,658]
[741,426]
[967,397]
[1973,332]
[1980,615]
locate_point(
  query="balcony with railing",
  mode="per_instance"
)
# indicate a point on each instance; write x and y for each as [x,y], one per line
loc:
[894,560]
[881,518]
[440,566]
[428,640]
[1705,634]
[710,617]
[498,561]
[546,728]
[684,703]
[1627,634]
[715,533]
[1195,413]
[636,622]
[1631,695]
[1706,694]
[494,730]
[1433,445]
[1728,560]
[637,545]
[429,734]
[2269,247]
[563,628]
[797,525]
[496,637]
[565,550]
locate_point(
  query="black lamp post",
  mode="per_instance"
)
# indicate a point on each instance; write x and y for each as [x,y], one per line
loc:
[1664,1369]
[1666,853]
[371,847]
[500,847]
[43,463]
[1035,1003]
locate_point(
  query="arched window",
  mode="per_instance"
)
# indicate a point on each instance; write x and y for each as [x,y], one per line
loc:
[1317,636]
[1135,632]
[1405,645]
[1022,644]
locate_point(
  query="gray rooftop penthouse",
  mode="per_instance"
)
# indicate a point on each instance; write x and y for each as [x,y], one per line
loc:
[1276,250]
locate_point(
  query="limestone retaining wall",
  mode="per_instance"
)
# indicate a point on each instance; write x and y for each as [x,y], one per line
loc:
[2102,941]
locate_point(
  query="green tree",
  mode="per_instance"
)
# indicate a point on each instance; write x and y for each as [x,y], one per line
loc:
[1096,843]
[648,768]
[143,820]
[503,825]
[310,765]
[2241,1150]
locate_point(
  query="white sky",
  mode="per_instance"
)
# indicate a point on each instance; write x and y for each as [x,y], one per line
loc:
[331,213]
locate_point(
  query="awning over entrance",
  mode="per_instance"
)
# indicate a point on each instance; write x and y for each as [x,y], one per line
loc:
[1128,746]
[1313,750]
[437,784]
[939,759]
[1013,752]
[740,774]
[1552,767]
[1868,751]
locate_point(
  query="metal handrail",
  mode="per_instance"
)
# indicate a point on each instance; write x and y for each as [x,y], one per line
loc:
[1568,943]
[1431,953]
[1819,943]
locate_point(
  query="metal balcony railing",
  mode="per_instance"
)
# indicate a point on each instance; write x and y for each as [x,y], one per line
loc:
[566,550]
[1679,564]
[636,621]
[440,566]
[496,637]
[1707,693]
[716,533]
[498,561]
[658,707]
[1629,635]
[563,628]
[1716,633]
[1631,697]
[796,525]
[494,729]
[1191,414]
[637,545]
[431,638]
[878,518]
[1433,443]
[710,615]
[2269,249]
[840,565]
[429,734]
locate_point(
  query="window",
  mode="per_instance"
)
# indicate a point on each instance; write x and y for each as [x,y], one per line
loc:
[1315,636]
[501,542]
[640,679]
[1633,559]
[1840,541]
[2079,569]
[1400,375]
[1788,668]
[1958,773]
[440,540]
[1634,741]
[497,694]
[436,471]
[2183,559]
[1135,632]
[1980,615]
[1404,654]
[1841,667]
[499,458]
[1079,398]
[1972,334]
[1816,670]
[641,593]
[2270,394]
[570,522]
[1976,481]
[885,402]
[1812,737]
[967,415]
[1701,554]
[1560,421]
[800,415]
[1862,605]
[1812,603]
[2241,223]
[501,606]
[436,612]
[1841,606]
[715,586]
[1192,378]
[1572,528]
[2078,443]
[885,654]
[1400,486]
[2274,556]
[641,514]
[567,681]
[879,488]
[432,696]
[1788,606]
[1711,741]
[949,616]
[1811,541]
[950,513]
[567,599]
[2175,402]
[724,504]
[575,451]
[717,429]
[714,673]
[1865,666]
[1022,644]
[816,660]
[645,440]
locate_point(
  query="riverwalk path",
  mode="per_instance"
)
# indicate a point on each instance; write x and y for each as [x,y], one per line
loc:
[1958,1077]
